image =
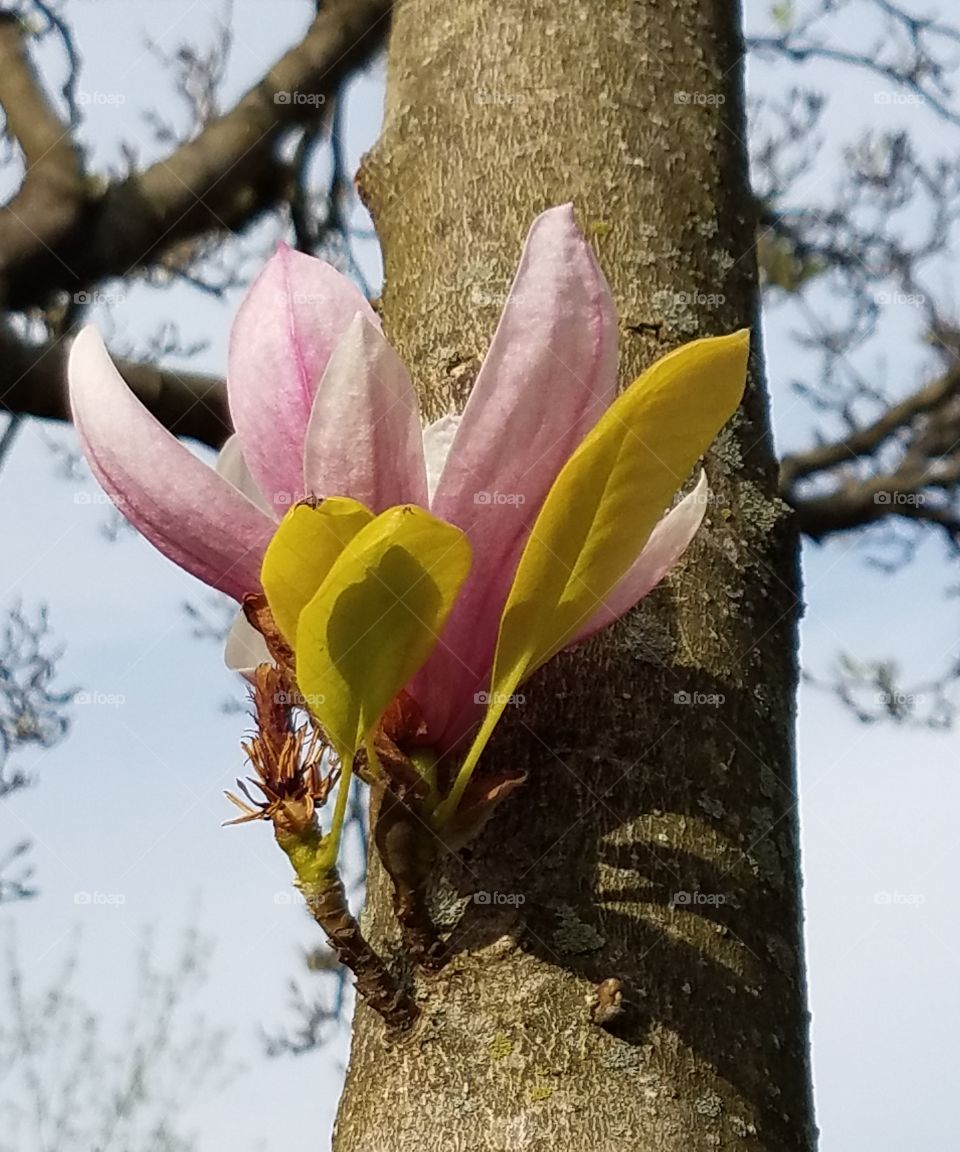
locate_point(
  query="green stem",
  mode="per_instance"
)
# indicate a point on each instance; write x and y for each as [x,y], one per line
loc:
[447,808]
[331,842]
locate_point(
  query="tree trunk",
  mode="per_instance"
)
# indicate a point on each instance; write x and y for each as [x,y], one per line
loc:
[656,840]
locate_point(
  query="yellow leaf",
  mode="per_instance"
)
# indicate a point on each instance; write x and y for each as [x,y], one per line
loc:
[375,619]
[603,506]
[303,550]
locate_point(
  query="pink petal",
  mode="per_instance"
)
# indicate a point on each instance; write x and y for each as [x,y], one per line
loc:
[548,376]
[183,507]
[667,543]
[285,330]
[364,438]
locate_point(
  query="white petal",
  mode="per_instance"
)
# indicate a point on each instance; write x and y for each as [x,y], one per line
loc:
[437,439]
[232,467]
[245,647]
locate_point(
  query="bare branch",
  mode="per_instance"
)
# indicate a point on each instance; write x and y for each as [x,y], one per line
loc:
[31,709]
[874,692]
[869,438]
[220,181]
[32,383]
[915,53]
[71,1082]
[32,712]
[50,199]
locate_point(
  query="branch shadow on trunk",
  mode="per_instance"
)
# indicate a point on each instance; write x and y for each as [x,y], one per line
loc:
[648,858]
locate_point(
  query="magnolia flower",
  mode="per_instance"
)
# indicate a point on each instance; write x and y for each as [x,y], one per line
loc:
[519,528]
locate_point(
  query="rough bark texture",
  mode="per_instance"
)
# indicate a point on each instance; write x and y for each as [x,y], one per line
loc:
[656,840]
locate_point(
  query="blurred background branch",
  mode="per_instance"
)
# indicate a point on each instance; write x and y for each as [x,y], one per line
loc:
[33,712]
[68,1083]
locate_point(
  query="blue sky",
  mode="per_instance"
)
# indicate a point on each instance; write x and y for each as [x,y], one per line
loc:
[131,803]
